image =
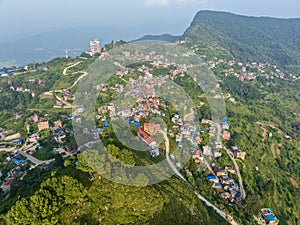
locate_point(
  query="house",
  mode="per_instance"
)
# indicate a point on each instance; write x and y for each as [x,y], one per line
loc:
[217,186]
[226,135]
[34,118]
[238,152]
[225,124]
[58,124]
[207,150]
[241,155]
[145,137]
[6,185]
[212,177]
[43,125]
[269,217]
[151,128]
[149,141]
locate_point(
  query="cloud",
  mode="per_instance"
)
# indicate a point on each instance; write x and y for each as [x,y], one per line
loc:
[153,3]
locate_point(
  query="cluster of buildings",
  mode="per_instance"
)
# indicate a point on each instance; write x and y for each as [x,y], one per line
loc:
[249,70]
[225,185]
[14,174]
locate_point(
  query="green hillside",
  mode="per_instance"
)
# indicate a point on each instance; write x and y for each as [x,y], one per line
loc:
[163,37]
[259,39]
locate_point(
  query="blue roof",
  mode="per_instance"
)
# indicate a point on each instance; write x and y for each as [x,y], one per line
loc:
[211,177]
[202,130]
[179,143]
[16,161]
[199,83]
[106,123]
[136,124]
[218,184]
[225,122]
[237,195]
[270,217]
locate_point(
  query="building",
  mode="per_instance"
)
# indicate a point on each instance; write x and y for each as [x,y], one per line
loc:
[34,118]
[58,124]
[151,128]
[95,47]
[207,150]
[43,125]
[269,217]
[149,141]
[226,135]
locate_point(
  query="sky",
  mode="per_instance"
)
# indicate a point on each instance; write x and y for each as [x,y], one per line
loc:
[24,18]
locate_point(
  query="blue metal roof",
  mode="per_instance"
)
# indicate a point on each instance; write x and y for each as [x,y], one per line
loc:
[270,217]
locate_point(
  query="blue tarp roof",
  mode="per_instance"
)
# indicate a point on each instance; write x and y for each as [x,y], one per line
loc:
[270,217]
[211,177]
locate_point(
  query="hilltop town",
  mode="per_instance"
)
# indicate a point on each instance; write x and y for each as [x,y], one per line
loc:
[214,168]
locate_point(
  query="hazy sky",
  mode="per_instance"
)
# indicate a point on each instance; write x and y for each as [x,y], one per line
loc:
[21,18]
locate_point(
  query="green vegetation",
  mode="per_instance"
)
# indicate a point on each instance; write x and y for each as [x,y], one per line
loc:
[225,35]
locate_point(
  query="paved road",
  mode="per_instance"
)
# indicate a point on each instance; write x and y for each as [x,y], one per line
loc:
[242,189]
[33,159]
[171,164]
[66,69]
[221,213]
[75,83]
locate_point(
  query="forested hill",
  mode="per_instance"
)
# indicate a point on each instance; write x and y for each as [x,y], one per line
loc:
[246,38]
[163,37]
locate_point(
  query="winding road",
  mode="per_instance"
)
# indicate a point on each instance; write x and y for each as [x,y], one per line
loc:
[237,168]
[220,212]
[69,67]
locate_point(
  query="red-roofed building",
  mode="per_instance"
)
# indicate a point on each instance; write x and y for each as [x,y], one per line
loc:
[146,138]
[8,182]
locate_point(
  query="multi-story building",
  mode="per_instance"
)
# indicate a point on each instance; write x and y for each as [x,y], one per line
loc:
[95,47]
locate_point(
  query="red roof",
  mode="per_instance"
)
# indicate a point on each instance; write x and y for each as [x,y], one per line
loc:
[145,136]
[8,182]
